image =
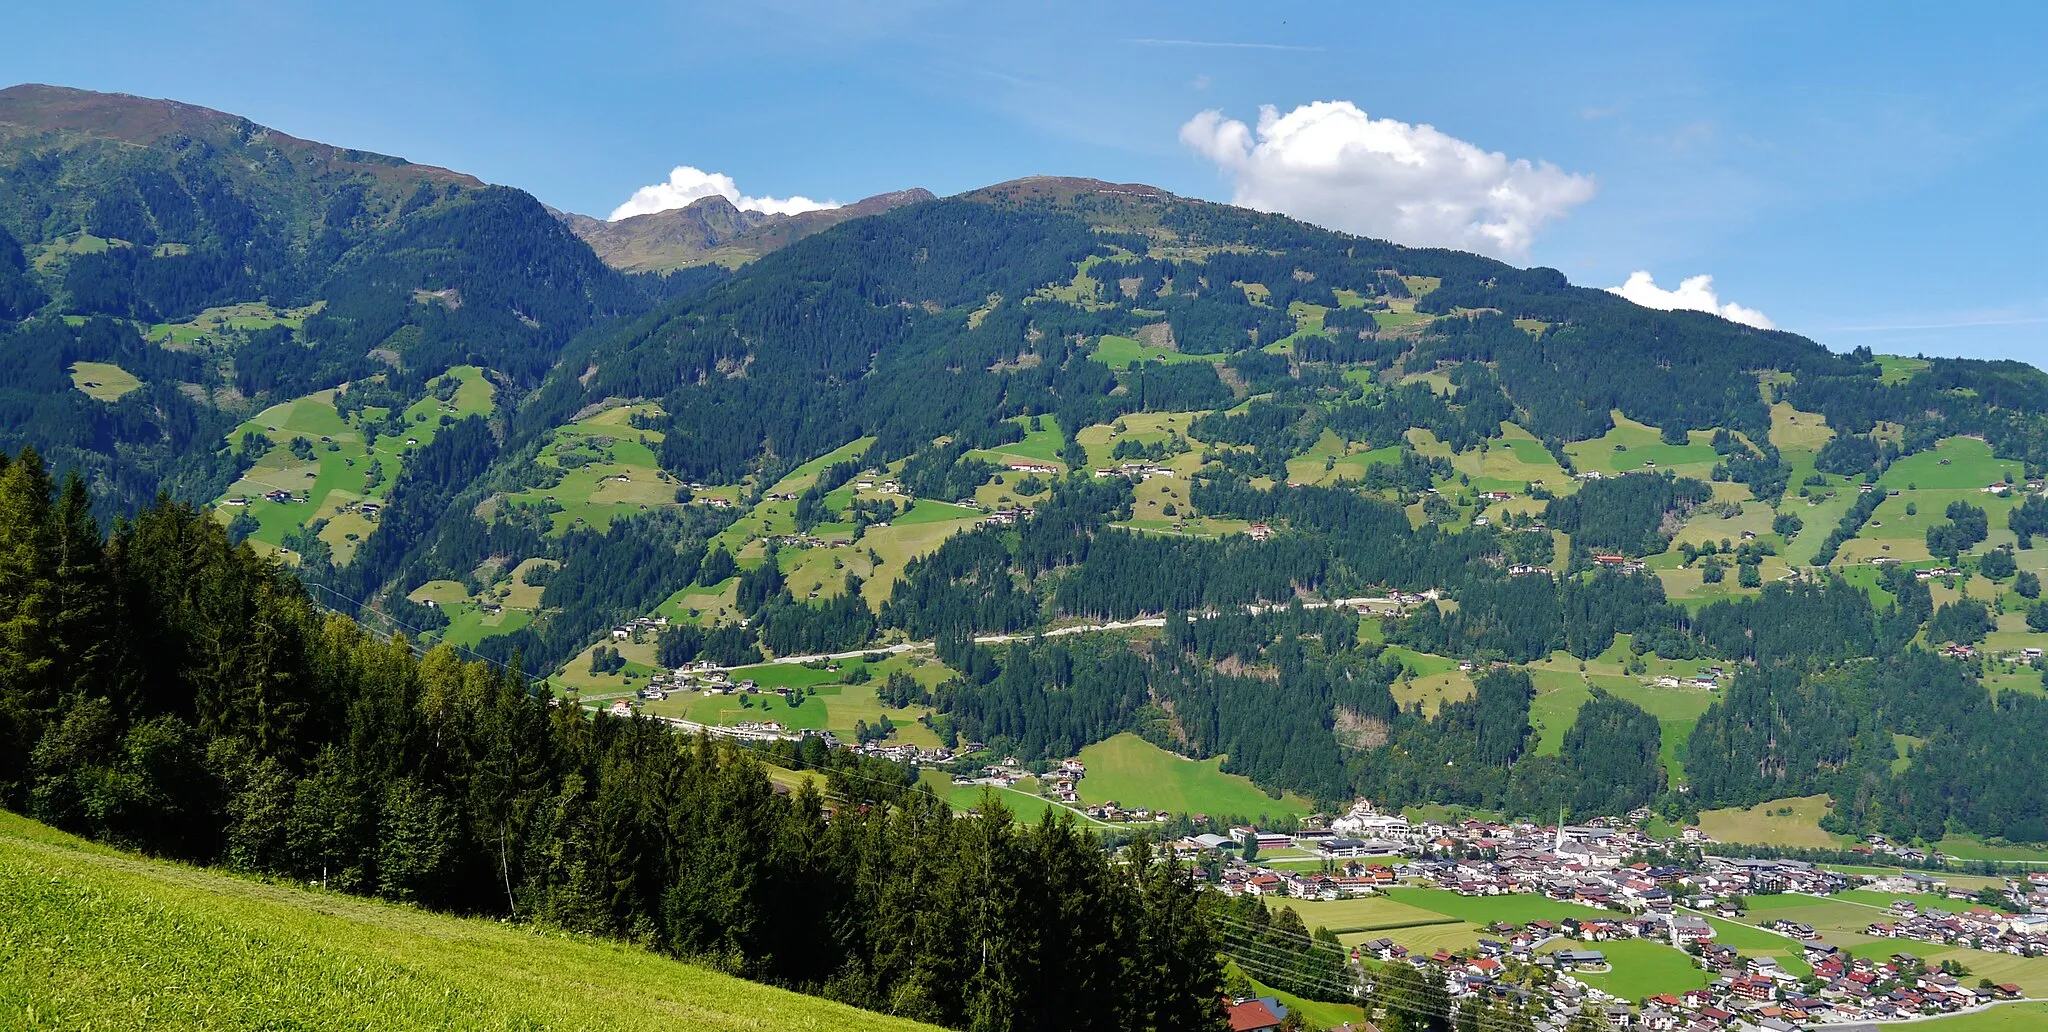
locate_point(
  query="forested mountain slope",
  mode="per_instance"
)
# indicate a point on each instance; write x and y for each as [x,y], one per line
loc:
[1618,548]
[223,264]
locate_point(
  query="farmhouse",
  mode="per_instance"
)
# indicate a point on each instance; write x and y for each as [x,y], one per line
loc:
[1251,1016]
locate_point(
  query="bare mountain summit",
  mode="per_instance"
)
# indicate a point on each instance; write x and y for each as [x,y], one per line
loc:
[710,230]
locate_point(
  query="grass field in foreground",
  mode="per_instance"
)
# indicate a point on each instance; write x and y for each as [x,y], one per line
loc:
[90,938]
[1517,909]
[1135,773]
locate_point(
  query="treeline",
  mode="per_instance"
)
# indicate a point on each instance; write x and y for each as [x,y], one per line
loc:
[1972,770]
[153,439]
[1631,515]
[165,691]
[1297,703]
[1525,618]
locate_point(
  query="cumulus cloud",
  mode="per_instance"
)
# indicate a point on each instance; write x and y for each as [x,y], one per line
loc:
[687,183]
[1332,164]
[1694,293]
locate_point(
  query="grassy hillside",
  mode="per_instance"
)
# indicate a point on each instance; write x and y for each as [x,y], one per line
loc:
[1136,773]
[338,469]
[95,939]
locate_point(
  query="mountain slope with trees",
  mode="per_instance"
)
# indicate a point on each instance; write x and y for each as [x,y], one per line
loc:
[1110,402]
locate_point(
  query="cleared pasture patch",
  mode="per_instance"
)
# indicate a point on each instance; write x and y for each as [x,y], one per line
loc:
[1765,825]
[103,381]
[1135,773]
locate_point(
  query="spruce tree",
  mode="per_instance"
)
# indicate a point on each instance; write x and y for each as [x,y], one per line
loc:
[29,607]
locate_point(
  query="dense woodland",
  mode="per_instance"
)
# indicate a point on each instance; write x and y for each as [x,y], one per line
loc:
[1297,701]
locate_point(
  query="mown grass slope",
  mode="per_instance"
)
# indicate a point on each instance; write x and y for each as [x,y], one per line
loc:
[94,939]
[1135,773]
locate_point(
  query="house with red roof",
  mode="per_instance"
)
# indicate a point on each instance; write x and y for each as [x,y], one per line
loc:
[1251,1016]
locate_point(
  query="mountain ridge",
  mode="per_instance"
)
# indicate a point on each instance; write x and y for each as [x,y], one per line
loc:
[144,121]
[710,230]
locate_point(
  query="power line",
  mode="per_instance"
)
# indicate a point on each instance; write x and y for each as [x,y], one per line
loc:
[1263,955]
[1308,940]
[1268,970]
[1284,966]
[1282,963]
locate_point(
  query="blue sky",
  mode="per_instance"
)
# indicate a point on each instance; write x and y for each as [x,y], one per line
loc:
[1862,173]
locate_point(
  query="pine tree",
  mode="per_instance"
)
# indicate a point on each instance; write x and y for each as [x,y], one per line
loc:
[1177,976]
[417,841]
[28,612]
[1002,951]
[81,627]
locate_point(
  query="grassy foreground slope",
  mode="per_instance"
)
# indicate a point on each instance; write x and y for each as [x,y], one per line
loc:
[95,939]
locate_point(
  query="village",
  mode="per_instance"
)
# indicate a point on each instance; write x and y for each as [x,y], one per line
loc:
[1618,888]
[1685,906]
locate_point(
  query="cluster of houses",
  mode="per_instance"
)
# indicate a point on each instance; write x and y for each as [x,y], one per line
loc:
[1134,471]
[805,539]
[1979,928]
[702,677]
[899,752]
[1619,562]
[1666,903]
[1061,783]
[873,480]
[639,626]
[1708,681]
[1401,598]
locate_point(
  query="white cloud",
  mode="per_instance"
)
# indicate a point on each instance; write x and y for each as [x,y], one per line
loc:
[687,183]
[1332,164]
[1695,293]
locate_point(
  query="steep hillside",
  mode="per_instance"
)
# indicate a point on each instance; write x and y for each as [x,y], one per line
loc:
[100,939]
[140,206]
[226,266]
[711,231]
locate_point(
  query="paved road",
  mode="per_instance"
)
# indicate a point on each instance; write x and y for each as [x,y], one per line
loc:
[1061,632]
